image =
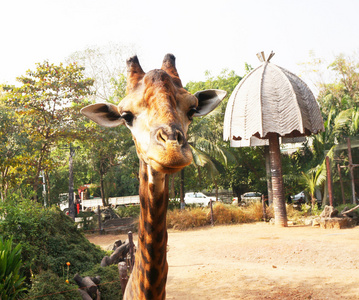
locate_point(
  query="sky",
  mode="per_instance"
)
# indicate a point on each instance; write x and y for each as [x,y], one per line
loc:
[203,35]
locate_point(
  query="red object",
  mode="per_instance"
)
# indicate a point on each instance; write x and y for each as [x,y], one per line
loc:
[78,208]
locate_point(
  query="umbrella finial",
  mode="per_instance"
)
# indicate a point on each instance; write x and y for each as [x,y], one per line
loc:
[262,57]
[270,56]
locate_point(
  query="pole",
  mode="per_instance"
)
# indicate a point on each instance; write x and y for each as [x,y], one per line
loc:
[71,184]
[351,169]
[212,219]
[329,181]
[280,212]
[341,183]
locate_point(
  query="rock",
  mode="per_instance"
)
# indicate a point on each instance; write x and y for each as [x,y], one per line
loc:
[316,222]
[329,212]
[336,223]
[308,222]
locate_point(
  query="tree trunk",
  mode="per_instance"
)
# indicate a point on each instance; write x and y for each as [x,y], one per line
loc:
[172,192]
[313,200]
[102,189]
[182,189]
[268,175]
[280,212]
[216,188]
[71,184]
[48,188]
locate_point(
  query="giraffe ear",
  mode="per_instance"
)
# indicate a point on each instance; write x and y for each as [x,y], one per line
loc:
[208,100]
[104,114]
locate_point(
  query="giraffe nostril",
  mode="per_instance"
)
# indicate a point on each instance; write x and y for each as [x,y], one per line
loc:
[174,136]
[161,136]
[179,138]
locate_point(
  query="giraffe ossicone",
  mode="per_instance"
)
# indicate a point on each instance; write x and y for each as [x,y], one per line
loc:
[157,110]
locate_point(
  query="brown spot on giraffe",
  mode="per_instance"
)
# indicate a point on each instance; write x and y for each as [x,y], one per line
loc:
[158,111]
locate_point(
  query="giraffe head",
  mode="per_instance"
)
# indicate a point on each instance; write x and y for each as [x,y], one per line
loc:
[158,111]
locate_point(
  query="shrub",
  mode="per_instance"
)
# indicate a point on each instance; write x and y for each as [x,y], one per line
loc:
[48,237]
[49,286]
[254,212]
[11,282]
[227,214]
[187,218]
[223,214]
[341,207]
[174,204]
[293,214]
[132,211]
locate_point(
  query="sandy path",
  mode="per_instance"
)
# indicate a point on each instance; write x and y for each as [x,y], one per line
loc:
[260,261]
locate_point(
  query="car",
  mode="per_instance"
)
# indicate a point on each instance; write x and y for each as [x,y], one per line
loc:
[300,197]
[198,199]
[250,197]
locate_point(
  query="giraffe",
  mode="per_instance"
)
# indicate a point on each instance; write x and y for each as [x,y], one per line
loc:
[157,110]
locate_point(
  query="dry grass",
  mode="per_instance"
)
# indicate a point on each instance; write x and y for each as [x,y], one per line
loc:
[223,214]
[187,218]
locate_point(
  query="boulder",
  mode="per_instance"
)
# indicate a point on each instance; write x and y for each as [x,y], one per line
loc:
[329,212]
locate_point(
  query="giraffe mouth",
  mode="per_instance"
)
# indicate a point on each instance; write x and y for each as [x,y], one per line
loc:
[166,169]
[170,161]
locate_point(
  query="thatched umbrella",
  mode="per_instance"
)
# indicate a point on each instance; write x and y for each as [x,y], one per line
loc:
[268,104]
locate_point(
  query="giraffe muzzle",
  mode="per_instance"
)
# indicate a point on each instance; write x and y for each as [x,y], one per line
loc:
[172,137]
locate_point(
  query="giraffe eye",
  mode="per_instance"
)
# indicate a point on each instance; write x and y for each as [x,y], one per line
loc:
[191,112]
[128,117]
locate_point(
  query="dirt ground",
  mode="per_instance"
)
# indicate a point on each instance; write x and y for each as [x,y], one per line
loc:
[260,261]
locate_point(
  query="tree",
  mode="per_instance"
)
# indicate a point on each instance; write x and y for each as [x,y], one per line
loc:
[107,148]
[106,65]
[312,180]
[13,150]
[47,106]
[339,105]
[205,134]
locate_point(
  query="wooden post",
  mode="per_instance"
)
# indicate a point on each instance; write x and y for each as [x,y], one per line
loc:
[132,252]
[329,181]
[280,212]
[122,270]
[351,169]
[341,183]
[211,205]
[99,219]
[264,209]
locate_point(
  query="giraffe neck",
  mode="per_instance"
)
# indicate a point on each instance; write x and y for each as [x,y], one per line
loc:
[149,275]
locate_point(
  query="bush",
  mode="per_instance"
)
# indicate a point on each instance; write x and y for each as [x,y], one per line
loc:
[52,287]
[187,218]
[11,282]
[131,211]
[48,237]
[110,286]
[223,214]
[254,212]
[341,207]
